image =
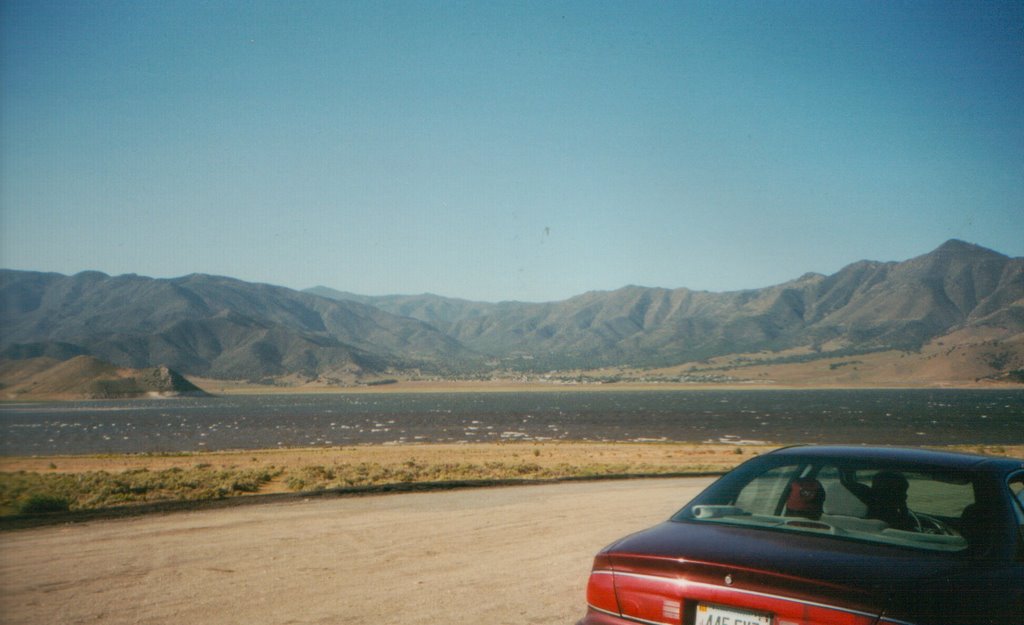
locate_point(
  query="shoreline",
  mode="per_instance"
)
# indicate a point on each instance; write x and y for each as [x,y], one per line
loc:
[470,386]
[220,388]
[545,453]
[551,450]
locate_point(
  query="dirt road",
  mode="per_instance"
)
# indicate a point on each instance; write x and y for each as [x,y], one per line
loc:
[517,555]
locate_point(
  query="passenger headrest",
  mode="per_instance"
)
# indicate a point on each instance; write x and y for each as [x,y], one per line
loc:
[805,495]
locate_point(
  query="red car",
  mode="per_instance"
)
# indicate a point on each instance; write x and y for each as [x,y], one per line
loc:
[829,536]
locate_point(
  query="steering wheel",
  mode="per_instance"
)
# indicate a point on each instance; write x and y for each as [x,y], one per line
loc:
[930,525]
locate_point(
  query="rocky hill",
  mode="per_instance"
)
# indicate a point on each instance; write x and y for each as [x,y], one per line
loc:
[85,377]
[221,328]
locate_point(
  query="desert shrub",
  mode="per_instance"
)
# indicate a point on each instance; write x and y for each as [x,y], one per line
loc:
[100,489]
[294,482]
[409,471]
[44,504]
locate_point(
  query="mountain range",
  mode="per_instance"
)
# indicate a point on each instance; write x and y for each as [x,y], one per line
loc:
[208,326]
[222,328]
[865,307]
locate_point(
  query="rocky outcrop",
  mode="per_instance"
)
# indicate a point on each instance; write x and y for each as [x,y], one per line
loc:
[84,377]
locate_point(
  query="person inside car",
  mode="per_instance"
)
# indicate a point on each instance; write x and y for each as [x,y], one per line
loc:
[888,501]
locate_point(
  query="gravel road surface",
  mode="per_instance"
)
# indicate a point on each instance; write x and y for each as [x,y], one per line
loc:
[515,555]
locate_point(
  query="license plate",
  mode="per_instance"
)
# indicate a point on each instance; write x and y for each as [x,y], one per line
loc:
[718,615]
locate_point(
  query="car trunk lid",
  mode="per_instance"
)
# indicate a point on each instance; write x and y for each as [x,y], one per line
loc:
[663,575]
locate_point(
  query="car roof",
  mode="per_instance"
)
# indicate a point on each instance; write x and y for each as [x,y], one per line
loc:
[930,457]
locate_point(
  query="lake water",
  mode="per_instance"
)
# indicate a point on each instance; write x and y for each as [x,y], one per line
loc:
[902,417]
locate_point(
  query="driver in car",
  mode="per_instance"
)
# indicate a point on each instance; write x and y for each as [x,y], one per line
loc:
[889,501]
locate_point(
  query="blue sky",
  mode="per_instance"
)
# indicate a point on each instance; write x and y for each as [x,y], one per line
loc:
[506,150]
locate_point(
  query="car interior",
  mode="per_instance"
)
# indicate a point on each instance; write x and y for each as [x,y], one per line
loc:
[930,511]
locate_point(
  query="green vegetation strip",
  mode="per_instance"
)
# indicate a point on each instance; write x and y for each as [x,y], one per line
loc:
[32,493]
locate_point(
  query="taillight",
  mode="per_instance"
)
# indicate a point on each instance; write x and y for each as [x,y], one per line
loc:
[601,587]
[838,617]
[815,615]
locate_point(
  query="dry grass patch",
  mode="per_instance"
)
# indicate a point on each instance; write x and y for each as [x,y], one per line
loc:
[99,481]
[53,483]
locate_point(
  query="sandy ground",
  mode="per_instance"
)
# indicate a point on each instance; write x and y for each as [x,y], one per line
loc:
[516,555]
[668,456]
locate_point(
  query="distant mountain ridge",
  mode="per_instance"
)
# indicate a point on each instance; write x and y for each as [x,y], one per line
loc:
[209,326]
[866,306]
[218,327]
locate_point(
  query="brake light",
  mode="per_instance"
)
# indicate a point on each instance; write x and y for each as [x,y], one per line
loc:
[814,615]
[838,617]
[601,587]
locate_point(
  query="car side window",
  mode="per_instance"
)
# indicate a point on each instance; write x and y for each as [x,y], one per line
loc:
[942,498]
[931,493]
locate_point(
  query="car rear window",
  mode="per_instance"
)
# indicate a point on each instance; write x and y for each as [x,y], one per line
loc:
[907,507]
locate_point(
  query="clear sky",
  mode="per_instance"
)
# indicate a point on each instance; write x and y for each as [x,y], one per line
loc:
[506,150]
